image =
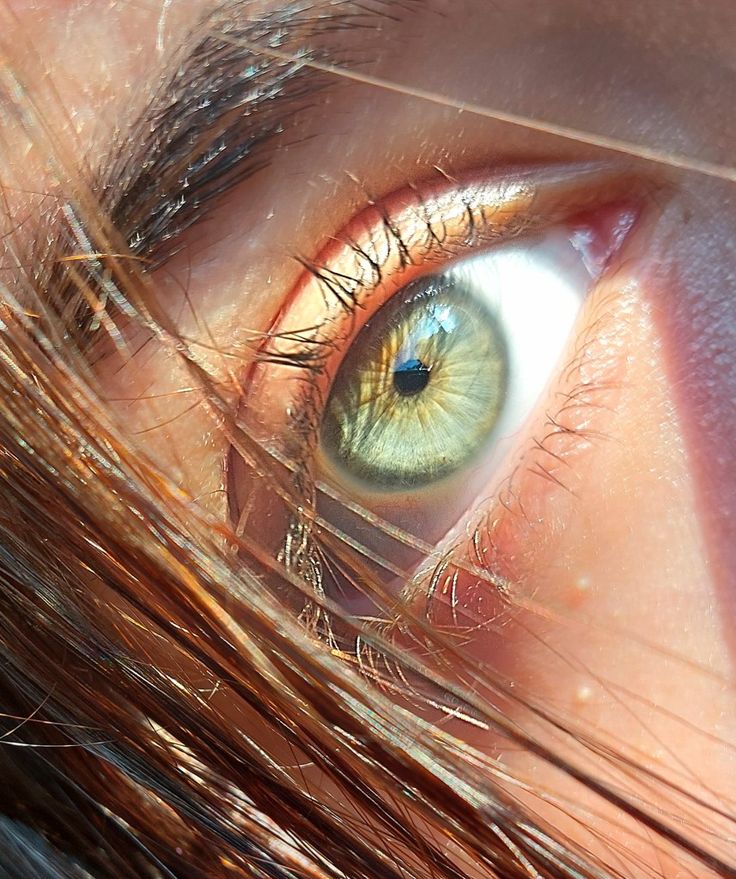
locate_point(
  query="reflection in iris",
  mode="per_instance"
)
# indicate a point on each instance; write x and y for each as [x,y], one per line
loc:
[421,389]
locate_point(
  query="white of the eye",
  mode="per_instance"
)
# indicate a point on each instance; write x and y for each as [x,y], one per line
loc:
[535,290]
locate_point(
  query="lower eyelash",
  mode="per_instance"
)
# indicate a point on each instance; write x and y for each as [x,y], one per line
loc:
[510,540]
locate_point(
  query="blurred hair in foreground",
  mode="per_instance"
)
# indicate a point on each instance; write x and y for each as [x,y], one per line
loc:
[160,697]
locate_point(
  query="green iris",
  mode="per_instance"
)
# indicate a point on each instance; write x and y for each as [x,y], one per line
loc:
[420,390]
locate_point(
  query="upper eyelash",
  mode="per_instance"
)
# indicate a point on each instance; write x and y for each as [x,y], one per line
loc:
[338,287]
[317,345]
[343,289]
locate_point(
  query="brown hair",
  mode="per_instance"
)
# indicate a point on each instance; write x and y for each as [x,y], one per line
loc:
[160,696]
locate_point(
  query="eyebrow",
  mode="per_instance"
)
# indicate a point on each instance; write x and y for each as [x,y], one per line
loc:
[221,114]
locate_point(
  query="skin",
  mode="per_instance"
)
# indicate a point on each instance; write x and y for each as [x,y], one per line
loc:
[626,600]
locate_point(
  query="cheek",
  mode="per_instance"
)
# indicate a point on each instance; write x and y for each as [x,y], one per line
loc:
[699,325]
[613,632]
[623,601]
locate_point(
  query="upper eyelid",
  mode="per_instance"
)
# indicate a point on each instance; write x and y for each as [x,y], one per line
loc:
[525,198]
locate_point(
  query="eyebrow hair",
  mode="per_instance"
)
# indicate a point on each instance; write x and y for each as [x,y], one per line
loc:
[222,109]
[221,115]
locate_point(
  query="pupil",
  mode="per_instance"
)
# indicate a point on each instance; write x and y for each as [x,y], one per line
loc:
[411,377]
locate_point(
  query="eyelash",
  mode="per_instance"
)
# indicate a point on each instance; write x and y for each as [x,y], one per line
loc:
[345,296]
[349,298]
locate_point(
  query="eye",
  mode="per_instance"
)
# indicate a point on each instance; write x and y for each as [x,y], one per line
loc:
[421,389]
[451,365]
[410,354]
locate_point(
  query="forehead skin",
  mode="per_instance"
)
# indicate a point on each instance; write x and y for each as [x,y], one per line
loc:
[657,74]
